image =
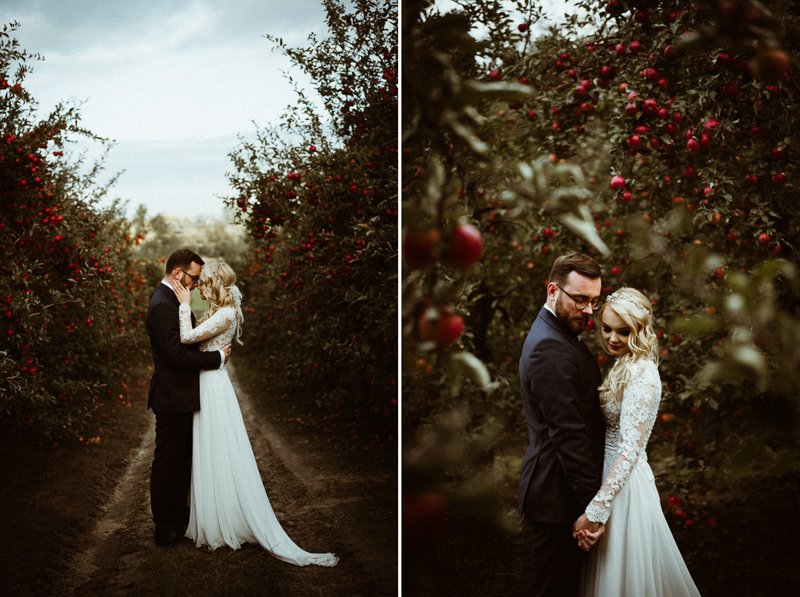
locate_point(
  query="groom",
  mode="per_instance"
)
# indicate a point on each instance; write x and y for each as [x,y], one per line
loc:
[563,466]
[174,396]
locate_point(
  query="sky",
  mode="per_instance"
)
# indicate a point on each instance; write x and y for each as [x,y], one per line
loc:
[172,82]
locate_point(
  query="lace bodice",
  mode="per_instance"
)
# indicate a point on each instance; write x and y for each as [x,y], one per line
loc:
[628,428]
[213,334]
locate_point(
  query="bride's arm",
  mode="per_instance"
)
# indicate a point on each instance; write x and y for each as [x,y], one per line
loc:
[213,326]
[638,414]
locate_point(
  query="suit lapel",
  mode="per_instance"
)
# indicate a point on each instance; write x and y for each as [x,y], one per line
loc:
[554,323]
[168,293]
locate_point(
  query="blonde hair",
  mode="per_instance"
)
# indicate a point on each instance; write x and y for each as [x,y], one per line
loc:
[635,310]
[217,285]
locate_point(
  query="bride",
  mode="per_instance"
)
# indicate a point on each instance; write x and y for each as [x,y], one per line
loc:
[228,502]
[637,555]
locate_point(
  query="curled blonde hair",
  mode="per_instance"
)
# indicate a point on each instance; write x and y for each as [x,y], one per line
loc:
[217,285]
[635,310]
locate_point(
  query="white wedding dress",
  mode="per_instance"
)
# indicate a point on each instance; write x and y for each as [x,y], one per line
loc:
[637,555]
[228,504]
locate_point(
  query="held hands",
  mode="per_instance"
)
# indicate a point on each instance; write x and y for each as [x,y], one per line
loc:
[586,533]
[184,294]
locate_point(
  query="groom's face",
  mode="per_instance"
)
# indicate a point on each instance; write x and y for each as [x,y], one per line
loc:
[190,275]
[566,309]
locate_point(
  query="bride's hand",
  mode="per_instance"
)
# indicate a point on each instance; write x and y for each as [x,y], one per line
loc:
[582,541]
[586,533]
[587,539]
[184,294]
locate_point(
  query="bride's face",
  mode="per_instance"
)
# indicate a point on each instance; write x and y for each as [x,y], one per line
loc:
[615,332]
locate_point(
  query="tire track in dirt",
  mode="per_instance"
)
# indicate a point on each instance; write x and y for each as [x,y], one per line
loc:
[117,518]
[321,505]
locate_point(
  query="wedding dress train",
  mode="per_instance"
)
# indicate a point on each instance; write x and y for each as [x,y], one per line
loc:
[228,503]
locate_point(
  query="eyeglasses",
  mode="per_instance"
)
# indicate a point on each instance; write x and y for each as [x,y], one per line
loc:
[195,278]
[581,301]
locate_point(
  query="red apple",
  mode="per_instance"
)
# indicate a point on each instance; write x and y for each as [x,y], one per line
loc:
[464,247]
[650,106]
[441,326]
[617,182]
[770,64]
[423,517]
[778,152]
[614,8]
[419,247]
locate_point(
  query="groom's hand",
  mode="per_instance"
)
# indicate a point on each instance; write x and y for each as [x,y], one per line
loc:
[226,350]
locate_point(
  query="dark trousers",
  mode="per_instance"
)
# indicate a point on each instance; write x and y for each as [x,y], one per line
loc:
[171,473]
[557,560]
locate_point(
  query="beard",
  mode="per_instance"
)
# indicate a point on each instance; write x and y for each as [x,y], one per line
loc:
[576,323]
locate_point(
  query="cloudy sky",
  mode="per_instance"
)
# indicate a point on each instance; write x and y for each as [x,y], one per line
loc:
[171,81]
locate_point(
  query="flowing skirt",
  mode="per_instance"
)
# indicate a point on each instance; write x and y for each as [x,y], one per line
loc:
[228,503]
[637,555]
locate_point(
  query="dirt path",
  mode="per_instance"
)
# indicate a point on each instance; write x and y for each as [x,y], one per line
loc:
[322,505]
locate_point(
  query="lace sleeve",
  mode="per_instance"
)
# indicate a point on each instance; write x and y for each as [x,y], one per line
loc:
[213,326]
[638,413]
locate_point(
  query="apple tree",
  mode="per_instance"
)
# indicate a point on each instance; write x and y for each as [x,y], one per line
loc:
[318,195]
[71,289]
[656,136]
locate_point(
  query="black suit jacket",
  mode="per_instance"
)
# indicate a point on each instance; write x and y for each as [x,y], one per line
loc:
[175,385]
[563,466]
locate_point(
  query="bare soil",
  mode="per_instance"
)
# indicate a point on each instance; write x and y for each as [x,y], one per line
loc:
[76,519]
